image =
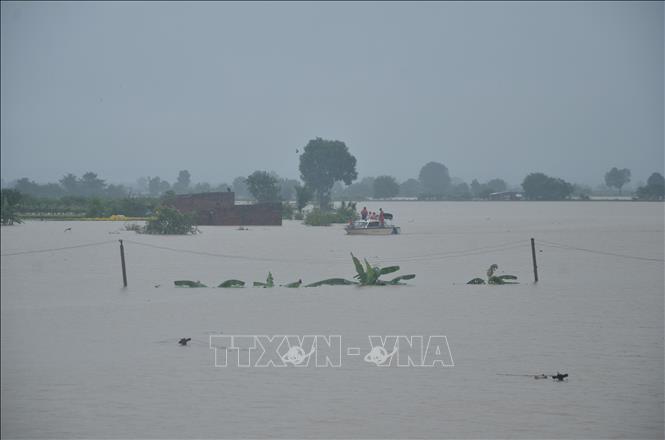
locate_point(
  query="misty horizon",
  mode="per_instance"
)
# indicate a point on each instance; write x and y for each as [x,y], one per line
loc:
[223,89]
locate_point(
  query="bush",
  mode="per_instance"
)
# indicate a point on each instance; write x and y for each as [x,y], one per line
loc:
[346,212]
[287,211]
[170,221]
[316,217]
[10,201]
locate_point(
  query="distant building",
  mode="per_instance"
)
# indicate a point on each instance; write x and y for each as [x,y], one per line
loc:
[219,208]
[506,195]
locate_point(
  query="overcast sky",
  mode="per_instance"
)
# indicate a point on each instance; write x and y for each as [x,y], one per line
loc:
[222,89]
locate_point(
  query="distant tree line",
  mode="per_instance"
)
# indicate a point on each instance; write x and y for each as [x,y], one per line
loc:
[327,173]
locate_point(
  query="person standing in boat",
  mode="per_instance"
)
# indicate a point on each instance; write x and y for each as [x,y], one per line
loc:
[363,213]
[381,217]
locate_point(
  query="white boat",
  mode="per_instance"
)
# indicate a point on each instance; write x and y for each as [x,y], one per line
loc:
[371,227]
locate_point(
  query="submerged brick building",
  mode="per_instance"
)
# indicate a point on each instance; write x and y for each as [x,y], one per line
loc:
[219,208]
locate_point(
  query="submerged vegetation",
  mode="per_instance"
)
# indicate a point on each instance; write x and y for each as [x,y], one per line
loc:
[494,279]
[343,214]
[170,221]
[369,275]
[232,283]
[188,283]
[9,204]
[270,282]
[366,275]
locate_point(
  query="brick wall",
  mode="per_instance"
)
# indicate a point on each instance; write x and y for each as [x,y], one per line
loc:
[219,209]
[203,201]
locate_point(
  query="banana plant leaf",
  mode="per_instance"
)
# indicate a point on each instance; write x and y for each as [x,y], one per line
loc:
[477,281]
[397,280]
[507,277]
[331,282]
[389,269]
[498,280]
[361,275]
[188,283]
[259,284]
[293,285]
[232,283]
[372,273]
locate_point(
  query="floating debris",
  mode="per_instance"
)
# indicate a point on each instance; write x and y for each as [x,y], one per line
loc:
[558,377]
[184,341]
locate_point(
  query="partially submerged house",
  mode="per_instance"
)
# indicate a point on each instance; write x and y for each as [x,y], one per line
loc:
[219,208]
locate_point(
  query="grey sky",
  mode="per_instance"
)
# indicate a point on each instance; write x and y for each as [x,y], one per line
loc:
[222,89]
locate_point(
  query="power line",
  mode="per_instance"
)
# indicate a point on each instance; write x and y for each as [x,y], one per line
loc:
[414,258]
[207,254]
[592,251]
[462,253]
[40,251]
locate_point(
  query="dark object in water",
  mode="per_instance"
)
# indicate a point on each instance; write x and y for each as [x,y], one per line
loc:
[294,285]
[184,341]
[477,281]
[68,229]
[332,282]
[540,376]
[232,283]
[188,283]
[558,377]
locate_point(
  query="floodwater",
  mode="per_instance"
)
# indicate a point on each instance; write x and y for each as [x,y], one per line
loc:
[84,357]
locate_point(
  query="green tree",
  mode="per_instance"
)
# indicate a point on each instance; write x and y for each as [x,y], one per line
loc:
[617,178]
[142,185]
[303,196]
[95,208]
[410,188]
[434,178]
[538,186]
[181,185]
[170,221]
[91,185]
[263,186]
[116,191]
[157,186]
[30,188]
[497,185]
[323,163]
[475,187]
[654,189]
[359,190]
[70,183]
[385,187]
[9,204]
[461,191]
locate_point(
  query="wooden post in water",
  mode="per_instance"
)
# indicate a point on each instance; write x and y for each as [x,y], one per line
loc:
[533,256]
[122,260]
